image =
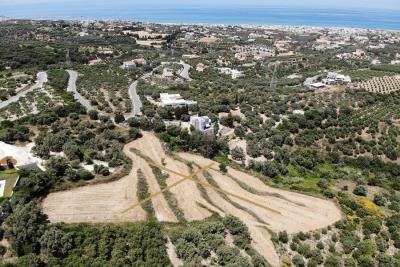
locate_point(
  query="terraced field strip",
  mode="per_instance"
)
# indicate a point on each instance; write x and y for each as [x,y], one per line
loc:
[185,177]
[236,196]
[191,177]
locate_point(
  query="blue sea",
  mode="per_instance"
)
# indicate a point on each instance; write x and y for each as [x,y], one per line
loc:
[272,15]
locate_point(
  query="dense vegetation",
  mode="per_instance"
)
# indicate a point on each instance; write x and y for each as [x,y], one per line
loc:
[207,241]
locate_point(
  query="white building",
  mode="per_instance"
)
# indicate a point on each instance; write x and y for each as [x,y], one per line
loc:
[201,67]
[190,56]
[175,100]
[228,71]
[257,51]
[317,85]
[168,74]
[202,124]
[129,65]
[298,112]
[83,34]
[358,54]
[376,61]
[96,61]
[241,56]
[333,77]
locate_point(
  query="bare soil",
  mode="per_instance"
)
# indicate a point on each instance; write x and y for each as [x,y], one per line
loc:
[98,203]
[105,202]
[298,212]
[186,193]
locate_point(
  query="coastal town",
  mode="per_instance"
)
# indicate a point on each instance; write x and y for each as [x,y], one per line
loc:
[219,145]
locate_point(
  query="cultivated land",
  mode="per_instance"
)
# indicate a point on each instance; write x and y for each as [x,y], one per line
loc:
[384,85]
[106,202]
[260,189]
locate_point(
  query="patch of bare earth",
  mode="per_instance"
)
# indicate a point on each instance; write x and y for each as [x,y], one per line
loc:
[298,212]
[161,208]
[104,203]
[171,251]
[97,203]
[186,193]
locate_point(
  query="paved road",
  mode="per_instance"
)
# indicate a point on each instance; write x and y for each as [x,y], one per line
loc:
[41,79]
[185,71]
[73,77]
[136,102]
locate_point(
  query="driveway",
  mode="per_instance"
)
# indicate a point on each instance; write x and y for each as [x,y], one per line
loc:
[40,81]
[73,77]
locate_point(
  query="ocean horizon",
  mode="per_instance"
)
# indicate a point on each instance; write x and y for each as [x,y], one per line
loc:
[273,15]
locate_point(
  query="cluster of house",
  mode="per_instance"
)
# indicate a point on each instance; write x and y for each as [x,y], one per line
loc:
[332,78]
[326,46]
[145,34]
[358,54]
[257,51]
[199,123]
[127,65]
[168,74]
[105,50]
[132,64]
[284,46]
[232,72]
[175,100]
[201,67]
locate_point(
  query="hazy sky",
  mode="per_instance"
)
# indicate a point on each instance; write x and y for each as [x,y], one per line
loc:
[382,4]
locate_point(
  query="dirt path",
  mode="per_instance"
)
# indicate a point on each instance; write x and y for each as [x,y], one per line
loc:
[105,202]
[261,239]
[161,208]
[310,212]
[97,203]
[298,212]
[186,193]
[176,262]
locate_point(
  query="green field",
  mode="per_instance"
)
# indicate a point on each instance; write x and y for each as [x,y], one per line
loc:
[10,177]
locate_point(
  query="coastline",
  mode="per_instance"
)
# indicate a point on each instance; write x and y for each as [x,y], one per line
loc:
[243,25]
[373,19]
